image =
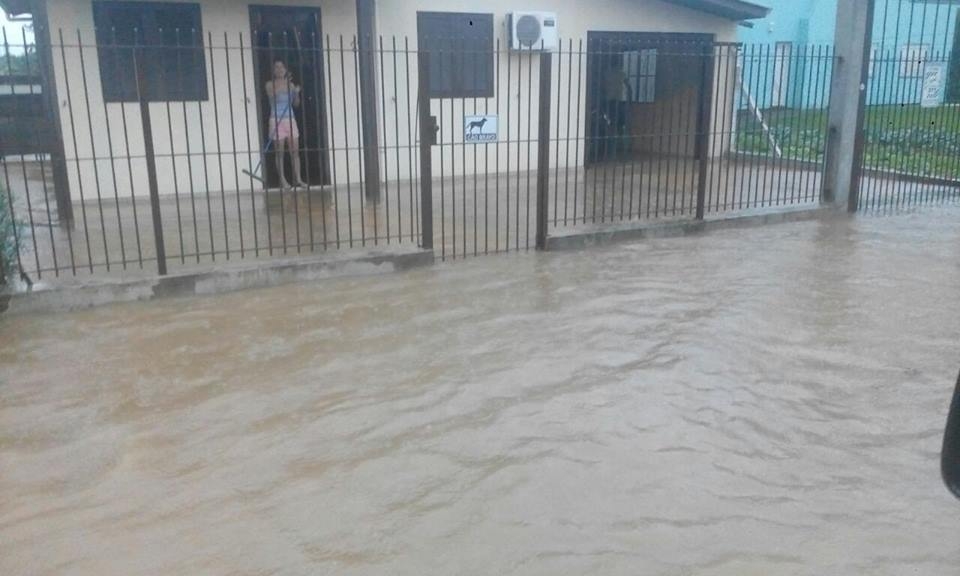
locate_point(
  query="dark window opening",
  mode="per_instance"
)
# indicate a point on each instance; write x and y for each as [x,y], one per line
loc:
[460,48]
[166,36]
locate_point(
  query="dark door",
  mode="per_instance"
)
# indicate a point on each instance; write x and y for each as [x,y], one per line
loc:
[641,86]
[293,35]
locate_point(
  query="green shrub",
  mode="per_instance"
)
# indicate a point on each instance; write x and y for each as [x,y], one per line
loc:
[9,240]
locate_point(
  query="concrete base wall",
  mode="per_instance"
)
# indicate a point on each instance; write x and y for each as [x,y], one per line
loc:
[589,236]
[215,280]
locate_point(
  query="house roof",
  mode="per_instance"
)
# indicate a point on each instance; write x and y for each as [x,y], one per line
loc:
[16,7]
[732,9]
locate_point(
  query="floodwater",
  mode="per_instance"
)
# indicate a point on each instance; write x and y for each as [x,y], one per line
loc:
[758,401]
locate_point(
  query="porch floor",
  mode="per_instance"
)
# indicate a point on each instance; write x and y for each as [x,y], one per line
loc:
[472,214]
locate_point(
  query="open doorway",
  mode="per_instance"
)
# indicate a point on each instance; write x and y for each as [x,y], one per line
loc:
[292,35]
[644,94]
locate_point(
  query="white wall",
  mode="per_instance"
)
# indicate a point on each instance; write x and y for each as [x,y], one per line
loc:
[575,19]
[394,18]
[193,125]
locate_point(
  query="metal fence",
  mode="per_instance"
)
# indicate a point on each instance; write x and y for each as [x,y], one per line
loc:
[911,132]
[700,135]
[167,157]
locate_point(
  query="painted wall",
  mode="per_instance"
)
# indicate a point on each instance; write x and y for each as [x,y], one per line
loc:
[94,131]
[808,24]
[183,131]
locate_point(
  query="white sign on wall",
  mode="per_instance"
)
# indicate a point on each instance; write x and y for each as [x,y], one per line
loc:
[480,128]
[934,84]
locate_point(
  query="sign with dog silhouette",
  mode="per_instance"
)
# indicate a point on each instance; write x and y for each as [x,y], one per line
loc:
[480,129]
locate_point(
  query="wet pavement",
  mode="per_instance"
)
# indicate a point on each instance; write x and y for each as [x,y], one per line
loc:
[757,401]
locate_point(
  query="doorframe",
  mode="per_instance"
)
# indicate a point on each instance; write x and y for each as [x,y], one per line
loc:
[323,139]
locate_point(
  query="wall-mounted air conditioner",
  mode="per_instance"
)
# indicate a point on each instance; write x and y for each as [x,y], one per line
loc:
[533,30]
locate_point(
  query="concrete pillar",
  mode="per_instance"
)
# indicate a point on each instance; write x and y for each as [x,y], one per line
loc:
[847,103]
[367,46]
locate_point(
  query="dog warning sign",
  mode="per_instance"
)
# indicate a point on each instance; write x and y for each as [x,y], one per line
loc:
[480,129]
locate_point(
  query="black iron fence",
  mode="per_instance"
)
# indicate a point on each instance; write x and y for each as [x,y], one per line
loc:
[703,128]
[200,148]
[911,127]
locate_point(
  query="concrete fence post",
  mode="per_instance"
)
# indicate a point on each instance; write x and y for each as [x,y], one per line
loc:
[848,92]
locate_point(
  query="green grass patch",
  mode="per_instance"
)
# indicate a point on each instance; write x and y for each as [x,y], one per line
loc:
[910,139]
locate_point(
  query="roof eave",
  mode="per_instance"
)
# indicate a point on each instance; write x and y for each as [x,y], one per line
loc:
[736,10]
[15,8]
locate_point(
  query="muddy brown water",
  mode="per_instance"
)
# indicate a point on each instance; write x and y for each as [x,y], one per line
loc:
[759,401]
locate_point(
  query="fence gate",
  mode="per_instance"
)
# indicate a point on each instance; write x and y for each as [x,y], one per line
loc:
[912,118]
[482,117]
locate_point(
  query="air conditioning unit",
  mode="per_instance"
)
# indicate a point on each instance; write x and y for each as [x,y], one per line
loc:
[533,30]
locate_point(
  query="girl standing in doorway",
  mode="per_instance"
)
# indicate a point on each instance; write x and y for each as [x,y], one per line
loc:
[284,96]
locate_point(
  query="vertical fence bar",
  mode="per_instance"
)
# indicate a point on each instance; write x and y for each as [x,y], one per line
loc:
[529,144]
[194,43]
[509,126]
[703,126]
[216,124]
[233,139]
[249,142]
[76,155]
[426,150]
[323,130]
[370,197]
[412,174]
[151,160]
[333,151]
[576,142]
[113,177]
[129,159]
[721,112]
[189,155]
[543,149]
[386,141]
[396,138]
[305,150]
[346,141]
[556,160]
[516,211]
[93,151]
[45,85]
[23,168]
[496,147]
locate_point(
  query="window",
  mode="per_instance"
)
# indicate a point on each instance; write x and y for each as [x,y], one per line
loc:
[171,35]
[640,68]
[460,48]
[912,59]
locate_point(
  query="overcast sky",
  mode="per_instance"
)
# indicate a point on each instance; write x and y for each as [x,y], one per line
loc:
[14,30]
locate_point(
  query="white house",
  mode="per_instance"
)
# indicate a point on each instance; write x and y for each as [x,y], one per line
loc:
[204,62]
